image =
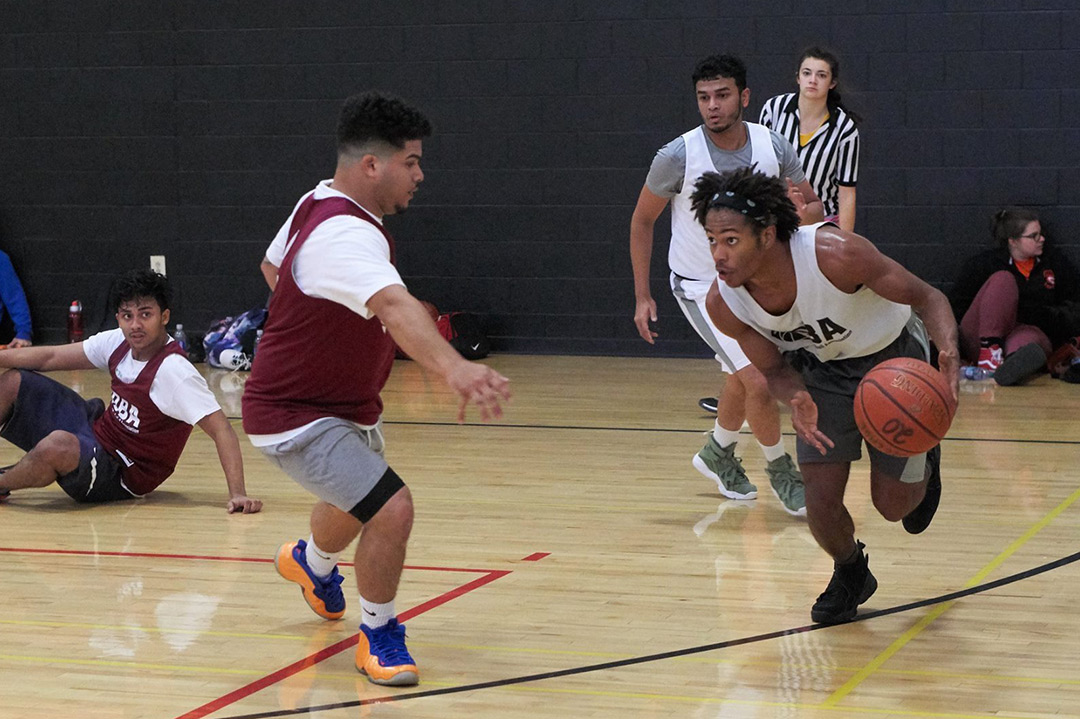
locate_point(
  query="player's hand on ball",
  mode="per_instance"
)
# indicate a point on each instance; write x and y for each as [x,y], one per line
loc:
[804,416]
[480,385]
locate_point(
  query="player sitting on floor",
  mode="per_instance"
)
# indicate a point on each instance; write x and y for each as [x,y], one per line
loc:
[99,454]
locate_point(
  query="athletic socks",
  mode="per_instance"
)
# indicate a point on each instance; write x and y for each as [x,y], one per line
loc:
[774,452]
[376,615]
[724,437]
[320,562]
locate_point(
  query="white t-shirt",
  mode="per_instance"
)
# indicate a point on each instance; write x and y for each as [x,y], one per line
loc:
[345,259]
[178,390]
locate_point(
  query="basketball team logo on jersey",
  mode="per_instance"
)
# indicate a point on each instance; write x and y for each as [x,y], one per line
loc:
[127,413]
[826,332]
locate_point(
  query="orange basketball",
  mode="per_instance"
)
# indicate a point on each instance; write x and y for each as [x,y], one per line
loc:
[903,407]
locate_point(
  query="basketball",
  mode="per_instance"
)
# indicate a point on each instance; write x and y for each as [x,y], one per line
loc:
[903,407]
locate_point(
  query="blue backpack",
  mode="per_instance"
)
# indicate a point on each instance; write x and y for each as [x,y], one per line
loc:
[234,333]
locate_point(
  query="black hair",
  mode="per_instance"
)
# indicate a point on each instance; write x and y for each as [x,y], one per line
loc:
[1010,223]
[376,117]
[136,284]
[748,188]
[834,102]
[715,66]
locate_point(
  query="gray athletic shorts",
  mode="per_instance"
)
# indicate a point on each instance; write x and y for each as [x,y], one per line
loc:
[341,464]
[832,385]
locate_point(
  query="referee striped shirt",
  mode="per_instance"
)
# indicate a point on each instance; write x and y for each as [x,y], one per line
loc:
[830,159]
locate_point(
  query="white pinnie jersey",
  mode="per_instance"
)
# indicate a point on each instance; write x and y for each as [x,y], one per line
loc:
[688,253]
[824,320]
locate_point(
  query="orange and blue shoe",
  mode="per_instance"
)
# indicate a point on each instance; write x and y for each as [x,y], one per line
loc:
[381,654]
[324,596]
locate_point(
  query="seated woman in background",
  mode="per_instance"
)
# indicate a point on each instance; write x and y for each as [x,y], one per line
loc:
[1017,301]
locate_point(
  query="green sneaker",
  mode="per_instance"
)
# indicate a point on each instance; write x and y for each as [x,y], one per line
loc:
[787,485]
[722,466]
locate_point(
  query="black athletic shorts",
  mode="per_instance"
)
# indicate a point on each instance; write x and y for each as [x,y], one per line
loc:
[45,406]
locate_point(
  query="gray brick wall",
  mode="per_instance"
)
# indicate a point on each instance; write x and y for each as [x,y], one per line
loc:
[138,127]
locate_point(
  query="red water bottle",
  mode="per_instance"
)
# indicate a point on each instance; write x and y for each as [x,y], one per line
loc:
[75,322]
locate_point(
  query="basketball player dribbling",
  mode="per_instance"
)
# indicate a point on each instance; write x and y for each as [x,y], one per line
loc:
[313,405]
[815,308]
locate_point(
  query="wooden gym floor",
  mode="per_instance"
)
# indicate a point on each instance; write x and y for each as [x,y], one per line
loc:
[566,561]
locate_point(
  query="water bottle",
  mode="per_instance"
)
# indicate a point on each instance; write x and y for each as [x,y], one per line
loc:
[181,338]
[255,349]
[75,322]
[976,373]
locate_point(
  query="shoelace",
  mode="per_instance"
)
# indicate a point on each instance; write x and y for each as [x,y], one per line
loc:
[328,590]
[388,644]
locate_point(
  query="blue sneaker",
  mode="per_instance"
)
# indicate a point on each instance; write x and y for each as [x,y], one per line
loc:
[324,596]
[381,654]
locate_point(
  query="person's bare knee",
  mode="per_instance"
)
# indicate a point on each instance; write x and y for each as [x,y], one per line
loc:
[894,499]
[60,450]
[395,518]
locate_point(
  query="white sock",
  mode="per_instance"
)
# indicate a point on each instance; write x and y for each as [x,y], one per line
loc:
[376,615]
[321,562]
[724,437]
[774,452]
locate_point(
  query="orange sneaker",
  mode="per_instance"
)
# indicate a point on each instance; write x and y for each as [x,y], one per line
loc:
[324,596]
[381,654]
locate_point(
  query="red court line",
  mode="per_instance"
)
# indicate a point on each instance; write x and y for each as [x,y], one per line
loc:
[310,661]
[205,557]
[536,556]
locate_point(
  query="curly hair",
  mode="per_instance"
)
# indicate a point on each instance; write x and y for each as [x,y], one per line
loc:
[1010,223]
[136,284]
[715,66]
[375,117]
[767,194]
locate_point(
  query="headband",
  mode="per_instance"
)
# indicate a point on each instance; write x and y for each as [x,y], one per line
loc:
[740,204]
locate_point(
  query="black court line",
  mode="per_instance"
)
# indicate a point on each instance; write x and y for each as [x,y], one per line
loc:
[669,430]
[978,589]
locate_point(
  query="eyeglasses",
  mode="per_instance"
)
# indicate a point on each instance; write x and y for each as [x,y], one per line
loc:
[1032,236]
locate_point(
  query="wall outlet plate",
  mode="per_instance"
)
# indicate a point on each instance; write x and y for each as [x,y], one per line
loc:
[157,263]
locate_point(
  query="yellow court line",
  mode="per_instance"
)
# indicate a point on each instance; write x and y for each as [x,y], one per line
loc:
[940,609]
[127,665]
[151,630]
[754,703]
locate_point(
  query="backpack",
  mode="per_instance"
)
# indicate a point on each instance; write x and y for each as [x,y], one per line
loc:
[234,336]
[462,330]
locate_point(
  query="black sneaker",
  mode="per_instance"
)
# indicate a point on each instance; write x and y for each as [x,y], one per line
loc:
[1020,365]
[919,518]
[851,585]
[708,404]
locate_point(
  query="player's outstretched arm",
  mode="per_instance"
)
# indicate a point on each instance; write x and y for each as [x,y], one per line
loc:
[785,384]
[411,327]
[46,358]
[850,260]
[217,426]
